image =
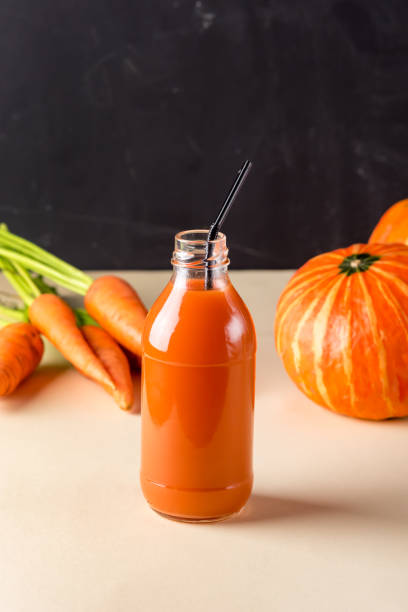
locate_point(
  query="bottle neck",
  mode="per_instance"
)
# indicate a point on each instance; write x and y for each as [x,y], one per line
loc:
[198,264]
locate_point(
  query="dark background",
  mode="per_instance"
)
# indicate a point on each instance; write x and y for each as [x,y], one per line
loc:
[124,121]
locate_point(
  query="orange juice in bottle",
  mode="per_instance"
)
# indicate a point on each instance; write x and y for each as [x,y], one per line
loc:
[198,377]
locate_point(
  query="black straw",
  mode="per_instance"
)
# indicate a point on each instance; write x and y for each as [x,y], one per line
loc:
[216,226]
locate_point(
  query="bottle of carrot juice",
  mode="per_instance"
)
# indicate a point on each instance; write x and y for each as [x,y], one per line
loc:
[198,378]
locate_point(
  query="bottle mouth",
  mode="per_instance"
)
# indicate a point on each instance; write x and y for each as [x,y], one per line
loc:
[190,250]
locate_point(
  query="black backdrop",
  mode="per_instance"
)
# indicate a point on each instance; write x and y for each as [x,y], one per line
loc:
[123,121]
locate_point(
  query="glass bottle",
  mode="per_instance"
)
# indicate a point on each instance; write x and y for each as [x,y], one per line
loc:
[198,379]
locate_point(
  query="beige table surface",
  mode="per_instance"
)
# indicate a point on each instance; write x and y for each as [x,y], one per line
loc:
[326,527]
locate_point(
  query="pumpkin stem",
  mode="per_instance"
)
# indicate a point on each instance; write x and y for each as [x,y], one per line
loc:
[358,262]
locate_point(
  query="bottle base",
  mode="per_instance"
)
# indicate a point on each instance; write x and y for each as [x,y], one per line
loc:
[196,505]
[197,521]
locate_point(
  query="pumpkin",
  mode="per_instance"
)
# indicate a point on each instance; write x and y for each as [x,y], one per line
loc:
[341,330]
[393,225]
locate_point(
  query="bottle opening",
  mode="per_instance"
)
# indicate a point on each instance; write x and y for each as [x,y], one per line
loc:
[190,248]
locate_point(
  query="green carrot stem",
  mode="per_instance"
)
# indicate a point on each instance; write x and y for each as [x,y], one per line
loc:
[29,249]
[9,266]
[8,240]
[28,281]
[16,282]
[83,318]
[69,283]
[42,285]
[16,271]
[20,280]
[12,314]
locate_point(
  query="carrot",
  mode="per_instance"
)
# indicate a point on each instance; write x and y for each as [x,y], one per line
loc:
[116,306]
[55,319]
[114,361]
[21,350]
[111,301]
[90,349]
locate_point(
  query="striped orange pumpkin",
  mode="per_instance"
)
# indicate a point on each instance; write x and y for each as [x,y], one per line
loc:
[341,330]
[393,225]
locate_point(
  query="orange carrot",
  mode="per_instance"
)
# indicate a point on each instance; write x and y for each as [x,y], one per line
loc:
[55,319]
[116,306]
[111,301]
[21,349]
[114,361]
